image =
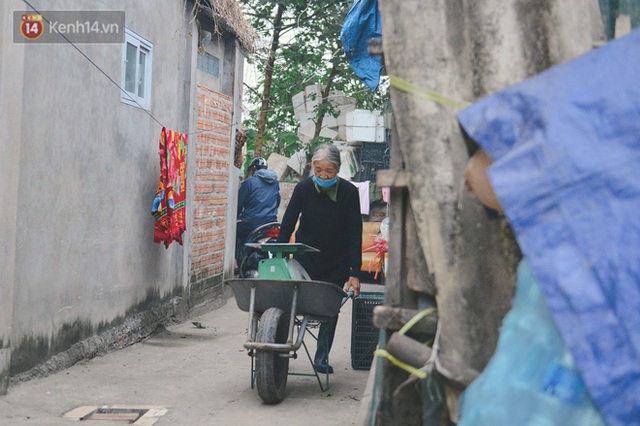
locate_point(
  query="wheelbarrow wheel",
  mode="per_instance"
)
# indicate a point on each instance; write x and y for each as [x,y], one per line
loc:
[271,368]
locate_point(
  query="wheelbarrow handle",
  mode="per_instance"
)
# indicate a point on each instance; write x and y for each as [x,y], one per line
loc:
[349,296]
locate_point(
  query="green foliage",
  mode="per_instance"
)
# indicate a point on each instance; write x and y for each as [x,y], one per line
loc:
[309,49]
[316,142]
[286,143]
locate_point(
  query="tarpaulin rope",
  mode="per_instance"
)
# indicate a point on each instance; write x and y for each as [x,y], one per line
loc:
[439,98]
[405,328]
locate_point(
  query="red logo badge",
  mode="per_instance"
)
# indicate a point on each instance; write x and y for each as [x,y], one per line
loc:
[31,26]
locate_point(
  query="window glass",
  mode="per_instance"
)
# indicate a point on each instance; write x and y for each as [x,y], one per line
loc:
[209,64]
[137,55]
[130,68]
[141,73]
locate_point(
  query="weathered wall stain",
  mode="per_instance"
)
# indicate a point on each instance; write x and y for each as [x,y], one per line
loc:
[535,20]
[79,339]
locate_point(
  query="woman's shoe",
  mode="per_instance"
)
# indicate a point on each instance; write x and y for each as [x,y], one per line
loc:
[324,368]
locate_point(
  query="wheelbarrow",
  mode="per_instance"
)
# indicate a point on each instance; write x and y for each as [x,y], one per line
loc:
[283,304]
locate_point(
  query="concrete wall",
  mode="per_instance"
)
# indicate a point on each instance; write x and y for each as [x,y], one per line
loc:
[10,120]
[234,52]
[85,256]
[79,172]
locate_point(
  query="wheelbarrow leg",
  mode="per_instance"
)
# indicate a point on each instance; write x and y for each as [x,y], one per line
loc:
[253,329]
[324,387]
[253,368]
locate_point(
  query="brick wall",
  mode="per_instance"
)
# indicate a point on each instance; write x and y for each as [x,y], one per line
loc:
[212,147]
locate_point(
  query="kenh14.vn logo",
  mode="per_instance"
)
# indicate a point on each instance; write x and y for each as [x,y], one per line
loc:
[31,26]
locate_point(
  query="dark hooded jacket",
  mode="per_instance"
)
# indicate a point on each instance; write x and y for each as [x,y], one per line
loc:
[259,198]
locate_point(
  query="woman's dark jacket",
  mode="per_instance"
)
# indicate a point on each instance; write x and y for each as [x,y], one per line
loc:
[333,227]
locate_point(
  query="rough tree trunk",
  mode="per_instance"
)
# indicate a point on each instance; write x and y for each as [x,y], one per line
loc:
[268,76]
[463,49]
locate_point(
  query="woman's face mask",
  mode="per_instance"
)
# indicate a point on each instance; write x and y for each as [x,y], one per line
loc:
[324,183]
[324,173]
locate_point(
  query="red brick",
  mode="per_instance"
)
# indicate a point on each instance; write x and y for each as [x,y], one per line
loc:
[205,188]
[206,163]
[221,151]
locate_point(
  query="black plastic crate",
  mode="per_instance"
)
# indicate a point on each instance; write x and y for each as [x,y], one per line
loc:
[364,335]
[368,172]
[373,152]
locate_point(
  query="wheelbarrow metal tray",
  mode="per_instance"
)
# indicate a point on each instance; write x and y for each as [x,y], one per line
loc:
[315,298]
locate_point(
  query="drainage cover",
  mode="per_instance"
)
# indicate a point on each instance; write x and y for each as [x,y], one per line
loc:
[141,415]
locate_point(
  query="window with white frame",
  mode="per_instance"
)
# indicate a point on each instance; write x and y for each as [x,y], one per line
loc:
[136,70]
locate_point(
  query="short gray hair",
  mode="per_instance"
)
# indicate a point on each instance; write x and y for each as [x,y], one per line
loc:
[329,152]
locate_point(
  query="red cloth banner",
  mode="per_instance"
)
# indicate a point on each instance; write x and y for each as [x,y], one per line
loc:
[169,204]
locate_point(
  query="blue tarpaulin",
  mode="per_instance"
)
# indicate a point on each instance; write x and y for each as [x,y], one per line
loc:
[566,152]
[362,23]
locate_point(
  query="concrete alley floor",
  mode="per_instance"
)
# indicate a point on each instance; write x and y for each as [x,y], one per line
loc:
[202,377]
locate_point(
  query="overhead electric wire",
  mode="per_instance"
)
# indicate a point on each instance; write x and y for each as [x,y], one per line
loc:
[104,72]
[93,63]
[120,87]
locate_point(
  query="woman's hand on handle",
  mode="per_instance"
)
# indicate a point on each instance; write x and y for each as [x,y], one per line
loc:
[353,284]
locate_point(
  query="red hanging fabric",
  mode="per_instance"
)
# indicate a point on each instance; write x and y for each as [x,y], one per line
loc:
[169,204]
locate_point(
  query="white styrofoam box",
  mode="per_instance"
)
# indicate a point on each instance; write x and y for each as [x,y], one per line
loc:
[312,96]
[353,160]
[326,132]
[346,168]
[361,134]
[306,132]
[309,117]
[362,118]
[349,163]
[335,94]
[344,109]
[337,98]
[314,88]
[388,120]
[342,133]
[298,105]
[306,118]
[307,100]
[298,161]
[278,163]
[364,134]
[380,134]
[364,126]
[329,121]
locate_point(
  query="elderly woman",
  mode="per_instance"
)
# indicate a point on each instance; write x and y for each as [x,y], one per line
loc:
[329,212]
